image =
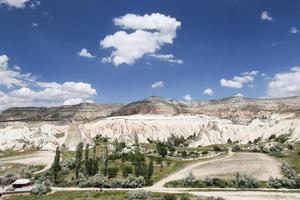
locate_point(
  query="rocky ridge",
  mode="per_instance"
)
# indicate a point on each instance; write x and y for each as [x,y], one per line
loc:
[211,122]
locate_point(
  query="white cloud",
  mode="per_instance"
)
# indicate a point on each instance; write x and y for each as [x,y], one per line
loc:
[168,58]
[35,25]
[294,30]
[15,3]
[23,89]
[239,81]
[239,95]
[84,53]
[208,92]
[266,16]
[150,33]
[285,84]
[34,5]
[11,78]
[158,84]
[73,101]
[187,97]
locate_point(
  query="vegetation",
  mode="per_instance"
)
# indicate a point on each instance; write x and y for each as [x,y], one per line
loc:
[290,178]
[110,195]
[56,164]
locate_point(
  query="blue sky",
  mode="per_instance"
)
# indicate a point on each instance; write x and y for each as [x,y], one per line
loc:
[253,45]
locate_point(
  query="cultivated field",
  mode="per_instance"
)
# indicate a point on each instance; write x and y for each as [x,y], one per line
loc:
[259,165]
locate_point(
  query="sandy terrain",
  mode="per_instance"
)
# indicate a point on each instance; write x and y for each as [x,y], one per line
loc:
[258,165]
[36,158]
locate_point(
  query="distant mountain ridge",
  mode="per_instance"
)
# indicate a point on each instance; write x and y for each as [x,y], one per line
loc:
[234,108]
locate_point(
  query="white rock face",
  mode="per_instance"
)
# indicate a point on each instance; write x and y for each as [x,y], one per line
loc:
[209,130]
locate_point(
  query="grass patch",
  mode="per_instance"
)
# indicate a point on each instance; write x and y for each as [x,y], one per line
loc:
[291,156]
[78,195]
[93,195]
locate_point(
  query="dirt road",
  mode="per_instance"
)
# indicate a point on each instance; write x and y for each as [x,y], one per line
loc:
[35,158]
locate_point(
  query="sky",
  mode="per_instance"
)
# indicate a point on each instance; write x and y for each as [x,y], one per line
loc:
[66,52]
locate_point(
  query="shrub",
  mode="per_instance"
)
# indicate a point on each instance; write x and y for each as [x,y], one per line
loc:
[288,171]
[9,177]
[126,170]
[134,182]
[236,148]
[41,188]
[282,138]
[112,171]
[169,197]
[220,183]
[209,181]
[161,149]
[257,140]
[217,148]
[190,180]
[274,183]
[273,136]
[138,195]
[246,181]
[290,146]
[184,197]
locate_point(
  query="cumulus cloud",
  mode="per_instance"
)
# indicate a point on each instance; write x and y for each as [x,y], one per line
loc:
[142,35]
[187,97]
[294,30]
[208,91]
[23,89]
[11,78]
[168,58]
[265,16]
[239,95]
[239,81]
[84,53]
[75,101]
[15,3]
[158,84]
[285,84]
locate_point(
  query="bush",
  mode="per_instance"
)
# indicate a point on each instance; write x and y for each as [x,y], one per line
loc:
[236,148]
[274,183]
[217,148]
[184,197]
[41,188]
[138,195]
[9,177]
[134,182]
[220,183]
[282,138]
[190,180]
[288,171]
[112,172]
[126,170]
[246,181]
[290,146]
[169,197]
[273,136]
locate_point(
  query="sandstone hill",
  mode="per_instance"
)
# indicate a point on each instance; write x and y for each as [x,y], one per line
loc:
[211,122]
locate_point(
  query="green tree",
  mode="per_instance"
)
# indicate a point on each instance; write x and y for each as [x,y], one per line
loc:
[105,159]
[139,159]
[150,172]
[79,150]
[95,161]
[161,149]
[56,164]
[86,159]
